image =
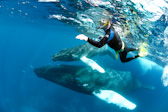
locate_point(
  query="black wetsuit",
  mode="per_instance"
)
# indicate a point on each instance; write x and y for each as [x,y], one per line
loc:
[114,41]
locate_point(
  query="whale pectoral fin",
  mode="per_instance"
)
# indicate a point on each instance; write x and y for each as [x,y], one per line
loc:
[92,64]
[110,96]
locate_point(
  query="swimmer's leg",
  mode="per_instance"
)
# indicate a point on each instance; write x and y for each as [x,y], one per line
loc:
[132,49]
[123,57]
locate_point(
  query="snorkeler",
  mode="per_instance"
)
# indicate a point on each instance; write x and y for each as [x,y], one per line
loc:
[111,38]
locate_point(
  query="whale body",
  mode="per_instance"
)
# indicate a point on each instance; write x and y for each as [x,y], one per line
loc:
[85,80]
[111,86]
[77,52]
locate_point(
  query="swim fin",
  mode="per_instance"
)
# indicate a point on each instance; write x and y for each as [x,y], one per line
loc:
[143,50]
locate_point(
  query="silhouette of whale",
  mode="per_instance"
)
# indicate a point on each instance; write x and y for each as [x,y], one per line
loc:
[75,53]
[110,86]
[85,80]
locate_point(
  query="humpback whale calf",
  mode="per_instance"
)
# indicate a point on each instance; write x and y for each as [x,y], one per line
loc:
[87,81]
[77,52]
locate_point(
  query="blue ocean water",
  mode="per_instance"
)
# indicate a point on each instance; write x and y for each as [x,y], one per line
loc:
[31,32]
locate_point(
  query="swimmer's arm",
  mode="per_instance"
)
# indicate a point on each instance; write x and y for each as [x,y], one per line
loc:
[100,43]
[93,42]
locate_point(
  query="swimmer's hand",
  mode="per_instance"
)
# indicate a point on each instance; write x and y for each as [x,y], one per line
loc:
[82,37]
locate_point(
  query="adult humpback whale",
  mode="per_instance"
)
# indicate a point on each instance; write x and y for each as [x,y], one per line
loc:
[85,80]
[77,52]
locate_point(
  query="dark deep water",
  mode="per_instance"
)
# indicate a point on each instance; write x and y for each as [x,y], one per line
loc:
[28,39]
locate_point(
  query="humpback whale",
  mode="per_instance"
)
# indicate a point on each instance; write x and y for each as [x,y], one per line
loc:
[77,52]
[91,82]
[85,80]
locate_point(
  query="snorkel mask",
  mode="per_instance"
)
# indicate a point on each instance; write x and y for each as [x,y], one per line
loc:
[103,23]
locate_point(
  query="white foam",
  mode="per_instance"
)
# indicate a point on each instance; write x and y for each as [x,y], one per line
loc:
[153,6]
[166,37]
[48,0]
[61,17]
[98,3]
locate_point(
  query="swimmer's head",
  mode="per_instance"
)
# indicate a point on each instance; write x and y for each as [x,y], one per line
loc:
[104,24]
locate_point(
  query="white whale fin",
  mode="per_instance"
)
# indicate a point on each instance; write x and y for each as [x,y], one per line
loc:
[92,64]
[47,0]
[110,96]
